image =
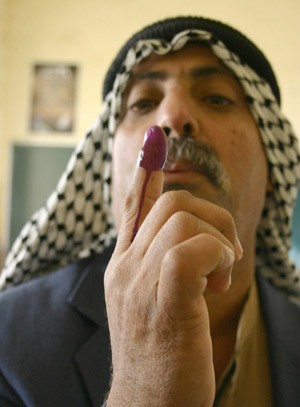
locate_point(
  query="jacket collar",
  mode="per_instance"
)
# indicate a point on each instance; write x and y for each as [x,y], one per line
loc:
[93,359]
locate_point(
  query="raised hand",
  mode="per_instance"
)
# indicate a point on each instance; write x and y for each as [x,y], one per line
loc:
[170,249]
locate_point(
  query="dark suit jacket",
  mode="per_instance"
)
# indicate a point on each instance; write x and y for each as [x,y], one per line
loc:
[54,340]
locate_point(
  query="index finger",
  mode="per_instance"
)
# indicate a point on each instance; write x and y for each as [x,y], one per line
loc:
[146,187]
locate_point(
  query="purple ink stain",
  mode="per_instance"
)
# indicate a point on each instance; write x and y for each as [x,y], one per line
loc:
[152,157]
[154,151]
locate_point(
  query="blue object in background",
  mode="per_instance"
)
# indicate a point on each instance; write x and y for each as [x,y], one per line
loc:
[35,172]
[295,250]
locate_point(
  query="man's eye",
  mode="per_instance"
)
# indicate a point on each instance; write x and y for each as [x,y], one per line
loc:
[143,106]
[218,100]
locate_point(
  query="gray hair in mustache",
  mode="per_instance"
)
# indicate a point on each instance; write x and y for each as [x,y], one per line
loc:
[199,155]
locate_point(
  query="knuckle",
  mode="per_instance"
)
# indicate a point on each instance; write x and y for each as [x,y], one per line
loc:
[175,258]
[175,199]
[213,242]
[130,208]
[183,225]
[180,218]
[129,202]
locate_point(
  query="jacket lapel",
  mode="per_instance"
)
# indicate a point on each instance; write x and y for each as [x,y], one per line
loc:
[282,321]
[93,359]
[93,362]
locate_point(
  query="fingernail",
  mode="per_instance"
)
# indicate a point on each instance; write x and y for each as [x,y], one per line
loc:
[229,257]
[239,250]
[153,154]
[228,263]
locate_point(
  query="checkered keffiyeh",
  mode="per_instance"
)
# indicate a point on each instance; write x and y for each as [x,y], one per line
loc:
[76,220]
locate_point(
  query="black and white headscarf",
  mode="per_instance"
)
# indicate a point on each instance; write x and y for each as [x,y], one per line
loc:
[76,220]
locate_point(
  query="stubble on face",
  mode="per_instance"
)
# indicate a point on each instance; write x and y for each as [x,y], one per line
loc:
[201,158]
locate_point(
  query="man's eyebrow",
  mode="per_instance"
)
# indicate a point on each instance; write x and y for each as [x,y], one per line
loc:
[196,72]
[205,71]
[150,75]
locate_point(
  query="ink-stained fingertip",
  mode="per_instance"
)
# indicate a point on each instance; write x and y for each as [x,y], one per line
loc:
[154,151]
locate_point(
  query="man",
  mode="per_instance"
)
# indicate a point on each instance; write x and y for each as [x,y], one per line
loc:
[189,321]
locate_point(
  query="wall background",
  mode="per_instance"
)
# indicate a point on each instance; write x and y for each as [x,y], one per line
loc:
[89,33]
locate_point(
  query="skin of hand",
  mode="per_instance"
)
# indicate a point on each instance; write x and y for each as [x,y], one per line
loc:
[158,319]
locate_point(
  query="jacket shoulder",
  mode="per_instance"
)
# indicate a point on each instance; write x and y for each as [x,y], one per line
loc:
[282,321]
[40,332]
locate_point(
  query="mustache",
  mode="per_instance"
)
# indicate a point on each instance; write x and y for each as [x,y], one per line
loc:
[198,155]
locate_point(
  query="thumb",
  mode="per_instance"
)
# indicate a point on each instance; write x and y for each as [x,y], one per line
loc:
[146,186]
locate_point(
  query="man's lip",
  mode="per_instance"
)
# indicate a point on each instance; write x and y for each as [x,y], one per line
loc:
[179,167]
[185,172]
[182,172]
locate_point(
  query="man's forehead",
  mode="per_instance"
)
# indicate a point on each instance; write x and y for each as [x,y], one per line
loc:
[195,60]
[188,55]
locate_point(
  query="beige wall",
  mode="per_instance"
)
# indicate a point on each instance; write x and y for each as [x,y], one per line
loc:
[3,133]
[89,33]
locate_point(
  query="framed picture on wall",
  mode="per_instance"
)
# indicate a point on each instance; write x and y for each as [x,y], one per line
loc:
[53,97]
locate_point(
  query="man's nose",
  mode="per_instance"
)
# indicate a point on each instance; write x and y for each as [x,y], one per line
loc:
[178,116]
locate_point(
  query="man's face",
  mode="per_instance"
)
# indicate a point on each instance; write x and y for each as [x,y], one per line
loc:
[191,89]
